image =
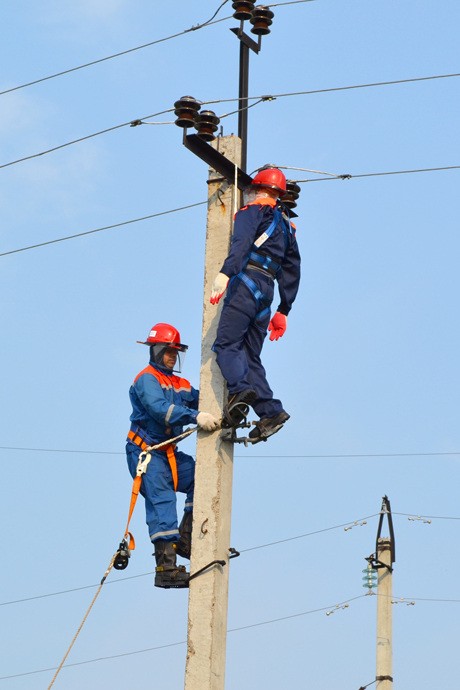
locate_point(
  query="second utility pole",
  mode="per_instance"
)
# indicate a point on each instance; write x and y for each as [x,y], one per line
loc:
[384,676]
[208,596]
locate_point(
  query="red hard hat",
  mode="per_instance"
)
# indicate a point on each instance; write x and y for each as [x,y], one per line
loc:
[165,334]
[272,178]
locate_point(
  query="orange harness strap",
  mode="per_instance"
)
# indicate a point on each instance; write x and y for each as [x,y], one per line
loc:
[170,454]
[137,440]
[134,494]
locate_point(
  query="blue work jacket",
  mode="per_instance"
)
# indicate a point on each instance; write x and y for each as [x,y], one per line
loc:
[162,404]
[250,223]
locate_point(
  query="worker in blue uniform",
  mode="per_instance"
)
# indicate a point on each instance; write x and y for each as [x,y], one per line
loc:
[263,250]
[162,404]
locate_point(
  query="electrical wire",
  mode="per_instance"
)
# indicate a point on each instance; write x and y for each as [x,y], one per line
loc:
[200,203]
[431,517]
[175,644]
[230,630]
[115,55]
[209,22]
[131,123]
[348,176]
[105,227]
[252,548]
[259,99]
[253,457]
[337,88]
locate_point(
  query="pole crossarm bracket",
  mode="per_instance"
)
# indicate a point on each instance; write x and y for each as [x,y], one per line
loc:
[373,558]
[247,40]
[217,161]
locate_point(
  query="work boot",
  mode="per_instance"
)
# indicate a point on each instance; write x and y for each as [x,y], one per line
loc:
[184,545]
[267,426]
[237,408]
[167,573]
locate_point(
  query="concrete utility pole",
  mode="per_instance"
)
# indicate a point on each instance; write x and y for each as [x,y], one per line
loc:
[384,671]
[208,595]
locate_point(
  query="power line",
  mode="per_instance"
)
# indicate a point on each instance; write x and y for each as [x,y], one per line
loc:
[106,227]
[131,123]
[132,577]
[115,55]
[259,99]
[348,176]
[70,591]
[200,203]
[349,524]
[209,22]
[238,629]
[338,88]
[253,457]
[432,517]
[174,644]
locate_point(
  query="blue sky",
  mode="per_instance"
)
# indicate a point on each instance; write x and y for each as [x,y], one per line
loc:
[368,368]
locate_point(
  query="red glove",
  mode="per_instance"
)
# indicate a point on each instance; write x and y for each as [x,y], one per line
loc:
[277,326]
[218,287]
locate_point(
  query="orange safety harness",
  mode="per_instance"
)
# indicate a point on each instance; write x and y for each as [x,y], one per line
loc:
[145,456]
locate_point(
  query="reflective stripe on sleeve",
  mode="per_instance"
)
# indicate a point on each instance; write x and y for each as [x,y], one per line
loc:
[169,413]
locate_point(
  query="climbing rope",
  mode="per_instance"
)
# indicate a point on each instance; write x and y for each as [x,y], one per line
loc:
[82,623]
[144,459]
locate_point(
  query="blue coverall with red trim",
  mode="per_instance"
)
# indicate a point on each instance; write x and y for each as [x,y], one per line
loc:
[162,403]
[244,320]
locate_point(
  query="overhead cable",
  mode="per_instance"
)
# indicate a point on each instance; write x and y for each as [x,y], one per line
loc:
[200,203]
[131,123]
[175,644]
[254,457]
[342,604]
[195,27]
[348,176]
[335,88]
[209,22]
[105,227]
[259,99]
[243,627]
[252,548]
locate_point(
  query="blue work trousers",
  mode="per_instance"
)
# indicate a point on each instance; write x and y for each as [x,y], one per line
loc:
[240,337]
[158,490]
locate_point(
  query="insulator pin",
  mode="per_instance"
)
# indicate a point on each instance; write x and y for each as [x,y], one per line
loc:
[243,9]
[206,124]
[261,19]
[186,109]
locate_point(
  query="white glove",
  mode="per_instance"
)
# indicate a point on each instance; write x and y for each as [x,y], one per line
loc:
[207,421]
[218,287]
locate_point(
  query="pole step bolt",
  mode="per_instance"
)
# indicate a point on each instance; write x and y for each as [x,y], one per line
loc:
[206,124]
[243,9]
[186,109]
[261,19]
